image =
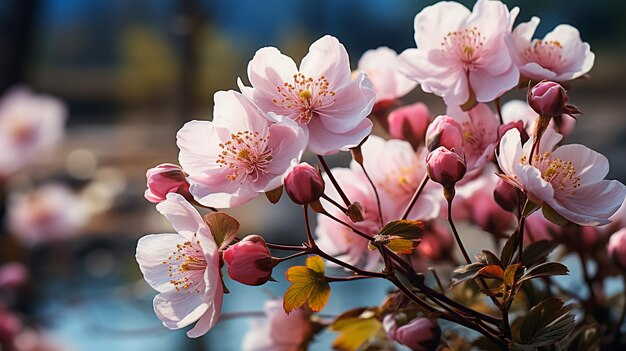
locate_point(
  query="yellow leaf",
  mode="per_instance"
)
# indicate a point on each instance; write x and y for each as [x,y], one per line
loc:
[308,286]
[401,246]
[354,332]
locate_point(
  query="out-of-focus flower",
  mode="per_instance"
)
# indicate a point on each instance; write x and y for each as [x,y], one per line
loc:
[13,275]
[304,184]
[239,154]
[249,261]
[569,179]
[390,325]
[409,122]
[480,133]
[397,171]
[30,125]
[51,212]
[38,340]
[338,240]
[539,228]
[445,167]
[547,99]
[462,55]
[279,331]
[420,334]
[561,55]
[477,197]
[381,67]
[447,132]
[183,268]
[164,179]
[320,96]
[617,248]
[436,243]
[10,326]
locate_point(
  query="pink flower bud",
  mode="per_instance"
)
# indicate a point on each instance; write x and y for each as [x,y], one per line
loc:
[249,261]
[547,99]
[13,275]
[505,195]
[304,184]
[164,179]
[446,132]
[445,167]
[617,248]
[409,122]
[419,334]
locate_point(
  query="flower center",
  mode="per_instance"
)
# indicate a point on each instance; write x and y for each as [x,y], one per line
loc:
[464,45]
[401,182]
[186,267]
[547,54]
[247,154]
[304,97]
[560,173]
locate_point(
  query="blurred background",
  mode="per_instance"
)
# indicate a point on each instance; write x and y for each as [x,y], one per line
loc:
[132,72]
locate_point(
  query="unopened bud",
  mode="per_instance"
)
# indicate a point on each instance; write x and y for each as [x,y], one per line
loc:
[249,261]
[304,184]
[409,123]
[505,195]
[617,248]
[547,99]
[445,167]
[446,132]
[164,179]
[420,334]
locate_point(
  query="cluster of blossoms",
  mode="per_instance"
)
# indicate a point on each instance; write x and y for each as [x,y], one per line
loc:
[384,215]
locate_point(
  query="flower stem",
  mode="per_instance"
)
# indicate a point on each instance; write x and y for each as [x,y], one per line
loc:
[456,233]
[333,180]
[416,195]
[380,211]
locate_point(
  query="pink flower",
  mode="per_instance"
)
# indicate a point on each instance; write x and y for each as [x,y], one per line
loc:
[447,132]
[397,171]
[419,334]
[505,195]
[249,261]
[304,184]
[320,96]
[13,275]
[30,126]
[163,179]
[569,178]
[51,212]
[539,228]
[10,326]
[560,56]
[617,248]
[462,54]
[409,122]
[480,133]
[381,67]
[445,167]
[279,331]
[183,268]
[436,243]
[239,154]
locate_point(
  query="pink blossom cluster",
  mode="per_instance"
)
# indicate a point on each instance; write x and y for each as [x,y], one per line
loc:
[483,161]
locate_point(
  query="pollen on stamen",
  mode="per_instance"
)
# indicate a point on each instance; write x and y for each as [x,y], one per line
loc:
[304,96]
[186,267]
[246,154]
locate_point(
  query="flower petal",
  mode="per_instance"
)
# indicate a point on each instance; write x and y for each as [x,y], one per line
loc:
[324,142]
[152,251]
[327,57]
[590,166]
[182,215]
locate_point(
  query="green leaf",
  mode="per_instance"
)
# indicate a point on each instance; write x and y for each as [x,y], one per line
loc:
[545,269]
[403,228]
[308,286]
[546,323]
[402,246]
[509,249]
[552,215]
[355,332]
[489,258]
[537,252]
[274,195]
[355,212]
[520,347]
[491,271]
[223,227]
[510,274]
